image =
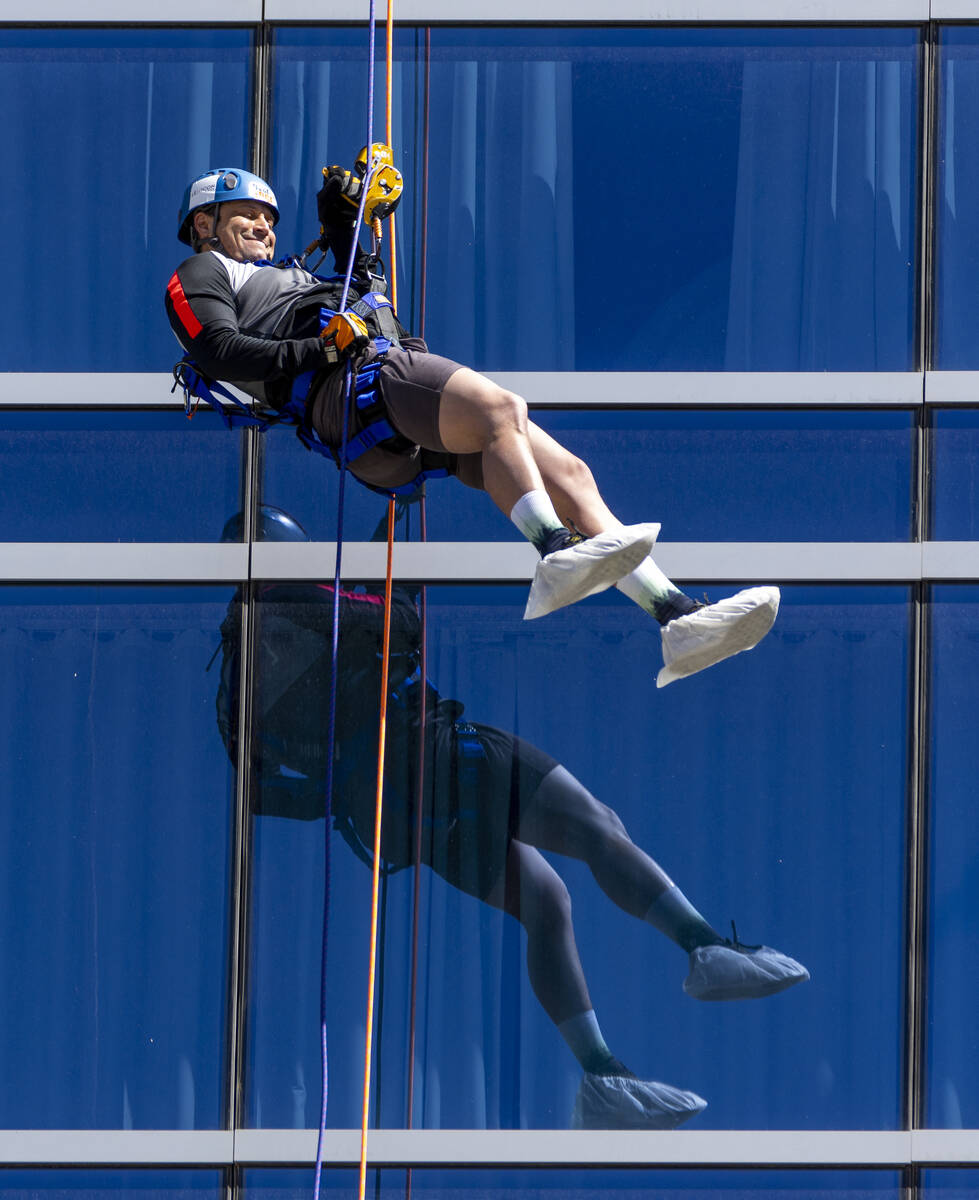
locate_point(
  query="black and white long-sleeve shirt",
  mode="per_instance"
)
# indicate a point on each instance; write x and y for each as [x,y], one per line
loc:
[255,325]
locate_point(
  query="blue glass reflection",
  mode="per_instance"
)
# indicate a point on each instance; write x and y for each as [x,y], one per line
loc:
[957,242]
[955,474]
[771,788]
[634,199]
[582,1184]
[58,1183]
[114,857]
[708,476]
[953,1057]
[116,476]
[949,1183]
[176,102]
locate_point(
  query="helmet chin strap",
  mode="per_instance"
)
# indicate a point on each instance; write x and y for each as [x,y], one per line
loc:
[214,241]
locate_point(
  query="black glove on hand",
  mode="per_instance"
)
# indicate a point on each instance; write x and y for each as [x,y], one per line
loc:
[338,198]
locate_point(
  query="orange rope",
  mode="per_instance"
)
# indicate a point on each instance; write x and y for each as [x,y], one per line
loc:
[375,885]
[382,722]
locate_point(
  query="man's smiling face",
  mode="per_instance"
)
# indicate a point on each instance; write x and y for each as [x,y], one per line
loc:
[245,230]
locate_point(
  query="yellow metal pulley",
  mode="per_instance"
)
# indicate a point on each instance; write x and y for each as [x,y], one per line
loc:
[385,183]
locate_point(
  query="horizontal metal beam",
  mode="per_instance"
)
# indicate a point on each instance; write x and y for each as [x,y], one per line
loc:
[553,389]
[705,562]
[92,389]
[694,11]
[132,11]
[491,1147]
[496,11]
[739,389]
[116,1147]
[477,562]
[964,10]
[543,1147]
[952,387]
[117,562]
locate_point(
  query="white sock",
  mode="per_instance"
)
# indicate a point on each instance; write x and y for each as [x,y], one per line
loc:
[648,587]
[585,1040]
[534,516]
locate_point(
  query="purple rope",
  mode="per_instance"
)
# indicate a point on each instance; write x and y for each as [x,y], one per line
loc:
[335,645]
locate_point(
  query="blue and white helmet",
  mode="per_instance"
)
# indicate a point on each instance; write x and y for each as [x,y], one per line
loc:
[219,185]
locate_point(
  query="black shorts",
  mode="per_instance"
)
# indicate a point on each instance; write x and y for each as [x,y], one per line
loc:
[411,382]
[482,799]
[478,782]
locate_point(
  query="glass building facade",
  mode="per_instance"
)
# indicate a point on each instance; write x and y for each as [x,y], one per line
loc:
[730,258]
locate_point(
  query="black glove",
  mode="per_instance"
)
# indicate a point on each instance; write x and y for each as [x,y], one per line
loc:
[338,198]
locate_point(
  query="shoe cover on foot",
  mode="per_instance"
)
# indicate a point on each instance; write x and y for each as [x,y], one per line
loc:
[588,567]
[698,640]
[729,973]
[621,1102]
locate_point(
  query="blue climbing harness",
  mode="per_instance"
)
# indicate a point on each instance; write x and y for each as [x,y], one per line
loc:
[378,431]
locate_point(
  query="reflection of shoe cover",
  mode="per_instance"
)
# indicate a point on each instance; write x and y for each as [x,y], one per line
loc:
[587,567]
[740,972]
[620,1102]
[716,631]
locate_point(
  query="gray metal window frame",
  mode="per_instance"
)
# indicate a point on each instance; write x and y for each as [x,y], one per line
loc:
[491,1147]
[917,563]
[563,389]
[496,11]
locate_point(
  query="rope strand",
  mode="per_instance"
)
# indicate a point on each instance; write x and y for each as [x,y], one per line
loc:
[335,642]
[385,665]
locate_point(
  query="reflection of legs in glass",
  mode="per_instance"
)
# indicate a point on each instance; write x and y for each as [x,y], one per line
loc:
[610,1096]
[564,817]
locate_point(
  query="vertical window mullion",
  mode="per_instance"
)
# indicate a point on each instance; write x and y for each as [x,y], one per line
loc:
[251,464]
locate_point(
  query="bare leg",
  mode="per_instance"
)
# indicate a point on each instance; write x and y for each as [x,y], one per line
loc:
[520,462]
[534,893]
[475,415]
[571,485]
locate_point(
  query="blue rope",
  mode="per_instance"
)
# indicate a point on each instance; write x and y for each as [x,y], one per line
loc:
[335,645]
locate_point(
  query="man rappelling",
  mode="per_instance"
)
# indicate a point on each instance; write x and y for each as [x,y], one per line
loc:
[274,331]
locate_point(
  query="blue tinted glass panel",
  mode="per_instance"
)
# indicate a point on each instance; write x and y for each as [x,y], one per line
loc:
[496,1183]
[671,199]
[949,1184]
[953,1057]
[957,259]
[58,1183]
[114,859]
[955,474]
[85,292]
[771,788]
[709,476]
[116,477]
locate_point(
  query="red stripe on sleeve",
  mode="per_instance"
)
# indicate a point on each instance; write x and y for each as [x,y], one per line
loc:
[182,307]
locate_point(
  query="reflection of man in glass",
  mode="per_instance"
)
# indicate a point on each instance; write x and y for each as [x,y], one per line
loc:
[490,803]
[272,329]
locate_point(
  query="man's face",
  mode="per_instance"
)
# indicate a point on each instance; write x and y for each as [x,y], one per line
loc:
[244,229]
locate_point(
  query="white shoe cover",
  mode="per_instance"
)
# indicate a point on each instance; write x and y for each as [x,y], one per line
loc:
[724,973]
[709,635]
[619,1102]
[588,567]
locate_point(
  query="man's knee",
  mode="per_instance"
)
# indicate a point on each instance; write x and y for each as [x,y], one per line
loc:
[508,409]
[551,906]
[609,822]
[576,474]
